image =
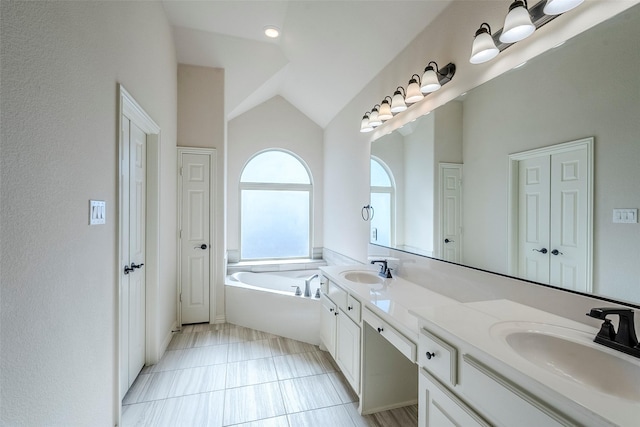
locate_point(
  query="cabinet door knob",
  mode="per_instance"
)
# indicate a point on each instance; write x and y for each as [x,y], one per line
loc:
[380,330]
[430,355]
[331,310]
[350,307]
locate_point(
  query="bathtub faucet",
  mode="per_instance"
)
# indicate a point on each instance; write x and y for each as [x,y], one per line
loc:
[307,285]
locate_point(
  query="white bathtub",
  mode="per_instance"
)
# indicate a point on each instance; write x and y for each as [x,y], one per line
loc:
[266,302]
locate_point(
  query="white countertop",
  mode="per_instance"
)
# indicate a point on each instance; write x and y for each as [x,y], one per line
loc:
[477,324]
[392,299]
[404,305]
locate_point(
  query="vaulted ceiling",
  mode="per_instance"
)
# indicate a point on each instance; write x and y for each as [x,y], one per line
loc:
[327,51]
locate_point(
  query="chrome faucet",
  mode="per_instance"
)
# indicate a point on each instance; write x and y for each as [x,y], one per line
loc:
[385,271]
[307,285]
[625,339]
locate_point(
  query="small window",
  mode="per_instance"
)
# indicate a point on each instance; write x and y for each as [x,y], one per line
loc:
[275,207]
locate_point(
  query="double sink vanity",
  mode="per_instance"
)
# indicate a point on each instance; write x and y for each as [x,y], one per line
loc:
[491,362]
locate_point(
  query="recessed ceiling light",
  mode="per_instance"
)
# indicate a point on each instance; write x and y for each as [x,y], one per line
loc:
[271,32]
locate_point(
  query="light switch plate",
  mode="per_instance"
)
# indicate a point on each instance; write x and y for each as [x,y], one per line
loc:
[97,212]
[625,216]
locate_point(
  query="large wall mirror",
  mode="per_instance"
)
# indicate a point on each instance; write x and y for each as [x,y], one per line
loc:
[526,175]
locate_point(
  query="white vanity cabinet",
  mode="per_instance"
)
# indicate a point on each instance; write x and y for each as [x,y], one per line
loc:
[328,321]
[456,388]
[438,404]
[340,331]
[440,407]
[348,349]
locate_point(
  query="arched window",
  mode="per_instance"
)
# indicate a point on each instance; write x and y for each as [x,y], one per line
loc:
[275,207]
[383,202]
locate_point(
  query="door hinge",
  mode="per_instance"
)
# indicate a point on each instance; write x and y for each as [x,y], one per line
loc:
[180,296]
[181,170]
[179,234]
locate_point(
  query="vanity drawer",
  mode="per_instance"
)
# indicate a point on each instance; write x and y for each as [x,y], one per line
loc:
[338,295]
[399,341]
[353,309]
[485,387]
[438,357]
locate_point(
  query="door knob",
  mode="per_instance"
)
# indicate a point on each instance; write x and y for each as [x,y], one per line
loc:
[556,252]
[128,269]
[202,246]
[542,251]
[447,241]
[134,266]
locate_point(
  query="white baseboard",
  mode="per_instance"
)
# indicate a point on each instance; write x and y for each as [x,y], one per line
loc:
[221,318]
[167,339]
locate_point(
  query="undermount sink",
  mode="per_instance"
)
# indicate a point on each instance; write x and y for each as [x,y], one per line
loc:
[366,277]
[571,355]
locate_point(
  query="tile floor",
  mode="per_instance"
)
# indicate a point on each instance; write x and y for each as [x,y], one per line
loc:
[227,375]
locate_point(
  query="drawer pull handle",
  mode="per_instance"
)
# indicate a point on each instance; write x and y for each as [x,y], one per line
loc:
[350,307]
[380,330]
[430,355]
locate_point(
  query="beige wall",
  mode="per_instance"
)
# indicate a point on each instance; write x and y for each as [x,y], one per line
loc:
[61,63]
[202,124]
[274,124]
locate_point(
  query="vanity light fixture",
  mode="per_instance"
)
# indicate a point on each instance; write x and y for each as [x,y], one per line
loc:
[556,7]
[374,117]
[433,80]
[385,109]
[364,125]
[430,82]
[413,90]
[484,47]
[517,24]
[520,23]
[397,102]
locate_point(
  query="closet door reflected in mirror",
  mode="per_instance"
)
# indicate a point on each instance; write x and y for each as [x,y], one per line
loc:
[551,212]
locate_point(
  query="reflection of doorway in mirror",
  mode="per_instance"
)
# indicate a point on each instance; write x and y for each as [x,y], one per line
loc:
[450,212]
[382,197]
[552,207]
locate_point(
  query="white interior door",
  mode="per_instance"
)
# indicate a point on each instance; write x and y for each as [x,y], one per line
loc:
[554,215]
[195,236]
[137,238]
[133,280]
[534,209]
[451,212]
[569,220]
